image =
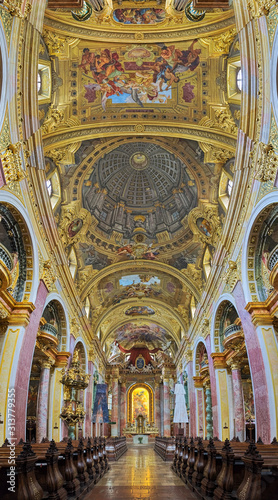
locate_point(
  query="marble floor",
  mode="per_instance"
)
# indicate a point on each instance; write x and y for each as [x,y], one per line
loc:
[140,474]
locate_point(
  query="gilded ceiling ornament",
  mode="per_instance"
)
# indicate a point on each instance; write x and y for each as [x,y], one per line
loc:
[53,120]
[194,275]
[83,276]
[15,8]
[259,8]
[222,43]
[12,163]
[74,223]
[48,274]
[267,163]
[205,224]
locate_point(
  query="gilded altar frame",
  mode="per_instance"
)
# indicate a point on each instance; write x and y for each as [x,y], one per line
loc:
[129,401]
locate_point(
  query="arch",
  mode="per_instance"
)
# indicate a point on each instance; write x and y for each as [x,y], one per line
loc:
[12,201]
[199,340]
[65,338]
[129,400]
[248,251]
[79,342]
[226,297]
[225,306]
[4,75]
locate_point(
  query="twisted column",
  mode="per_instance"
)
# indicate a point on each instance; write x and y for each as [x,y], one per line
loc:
[209,433]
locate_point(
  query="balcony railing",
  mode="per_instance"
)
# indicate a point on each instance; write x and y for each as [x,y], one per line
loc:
[6,257]
[273,258]
[231,330]
[50,329]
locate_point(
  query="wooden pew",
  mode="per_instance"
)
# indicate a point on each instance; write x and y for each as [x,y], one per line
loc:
[115,447]
[165,447]
[58,470]
[220,471]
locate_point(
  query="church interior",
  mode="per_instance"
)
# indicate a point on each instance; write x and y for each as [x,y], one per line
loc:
[139,249]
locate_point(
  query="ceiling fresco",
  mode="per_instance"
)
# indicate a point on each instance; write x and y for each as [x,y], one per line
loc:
[144,189]
[133,333]
[122,286]
[138,131]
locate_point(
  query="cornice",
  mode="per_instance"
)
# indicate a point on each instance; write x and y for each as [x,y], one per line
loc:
[198,133]
[140,34]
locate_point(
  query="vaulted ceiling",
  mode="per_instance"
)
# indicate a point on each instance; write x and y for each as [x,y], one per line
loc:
[137,128]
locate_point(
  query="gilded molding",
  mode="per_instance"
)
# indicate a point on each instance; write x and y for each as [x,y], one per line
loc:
[108,34]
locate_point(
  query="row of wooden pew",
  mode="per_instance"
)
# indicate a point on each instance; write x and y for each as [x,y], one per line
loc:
[56,471]
[165,447]
[229,470]
[115,448]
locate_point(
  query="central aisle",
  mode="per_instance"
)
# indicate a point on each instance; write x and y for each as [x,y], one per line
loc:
[140,474]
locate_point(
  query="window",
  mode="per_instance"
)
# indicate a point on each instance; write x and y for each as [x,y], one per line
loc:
[229,187]
[225,188]
[207,262]
[72,262]
[234,80]
[87,307]
[53,188]
[49,186]
[44,82]
[39,82]
[239,80]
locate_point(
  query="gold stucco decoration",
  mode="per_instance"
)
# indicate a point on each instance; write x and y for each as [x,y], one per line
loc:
[74,223]
[205,224]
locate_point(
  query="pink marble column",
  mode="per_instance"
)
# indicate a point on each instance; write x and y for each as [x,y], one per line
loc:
[42,408]
[123,407]
[212,389]
[157,407]
[238,403]
[256,363]
[166,394]
[25,362]
[89,398]
[115,406]
[192,400]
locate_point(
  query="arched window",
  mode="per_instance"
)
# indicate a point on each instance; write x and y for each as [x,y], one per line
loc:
[44,82]
[207,262]
[54,189]
[239,80]
[87,307]
[72,262]
[39,82]
[49,186]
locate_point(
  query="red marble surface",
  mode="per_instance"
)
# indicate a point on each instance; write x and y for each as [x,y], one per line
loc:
[41,424]
[257,369]
[238,404]
[192,400]
[166,394]
[25,362]
[123,408]
[89,398]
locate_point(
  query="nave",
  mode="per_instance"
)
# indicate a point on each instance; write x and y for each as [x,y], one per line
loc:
[140,474]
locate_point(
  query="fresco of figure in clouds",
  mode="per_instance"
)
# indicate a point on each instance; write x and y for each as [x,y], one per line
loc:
[142,75]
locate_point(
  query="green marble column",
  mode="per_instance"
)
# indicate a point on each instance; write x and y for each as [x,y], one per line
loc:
[208,413]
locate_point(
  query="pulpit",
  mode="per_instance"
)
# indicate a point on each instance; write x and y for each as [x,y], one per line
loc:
[140,424]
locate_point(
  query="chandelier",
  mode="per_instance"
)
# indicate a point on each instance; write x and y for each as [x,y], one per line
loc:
[74,380]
